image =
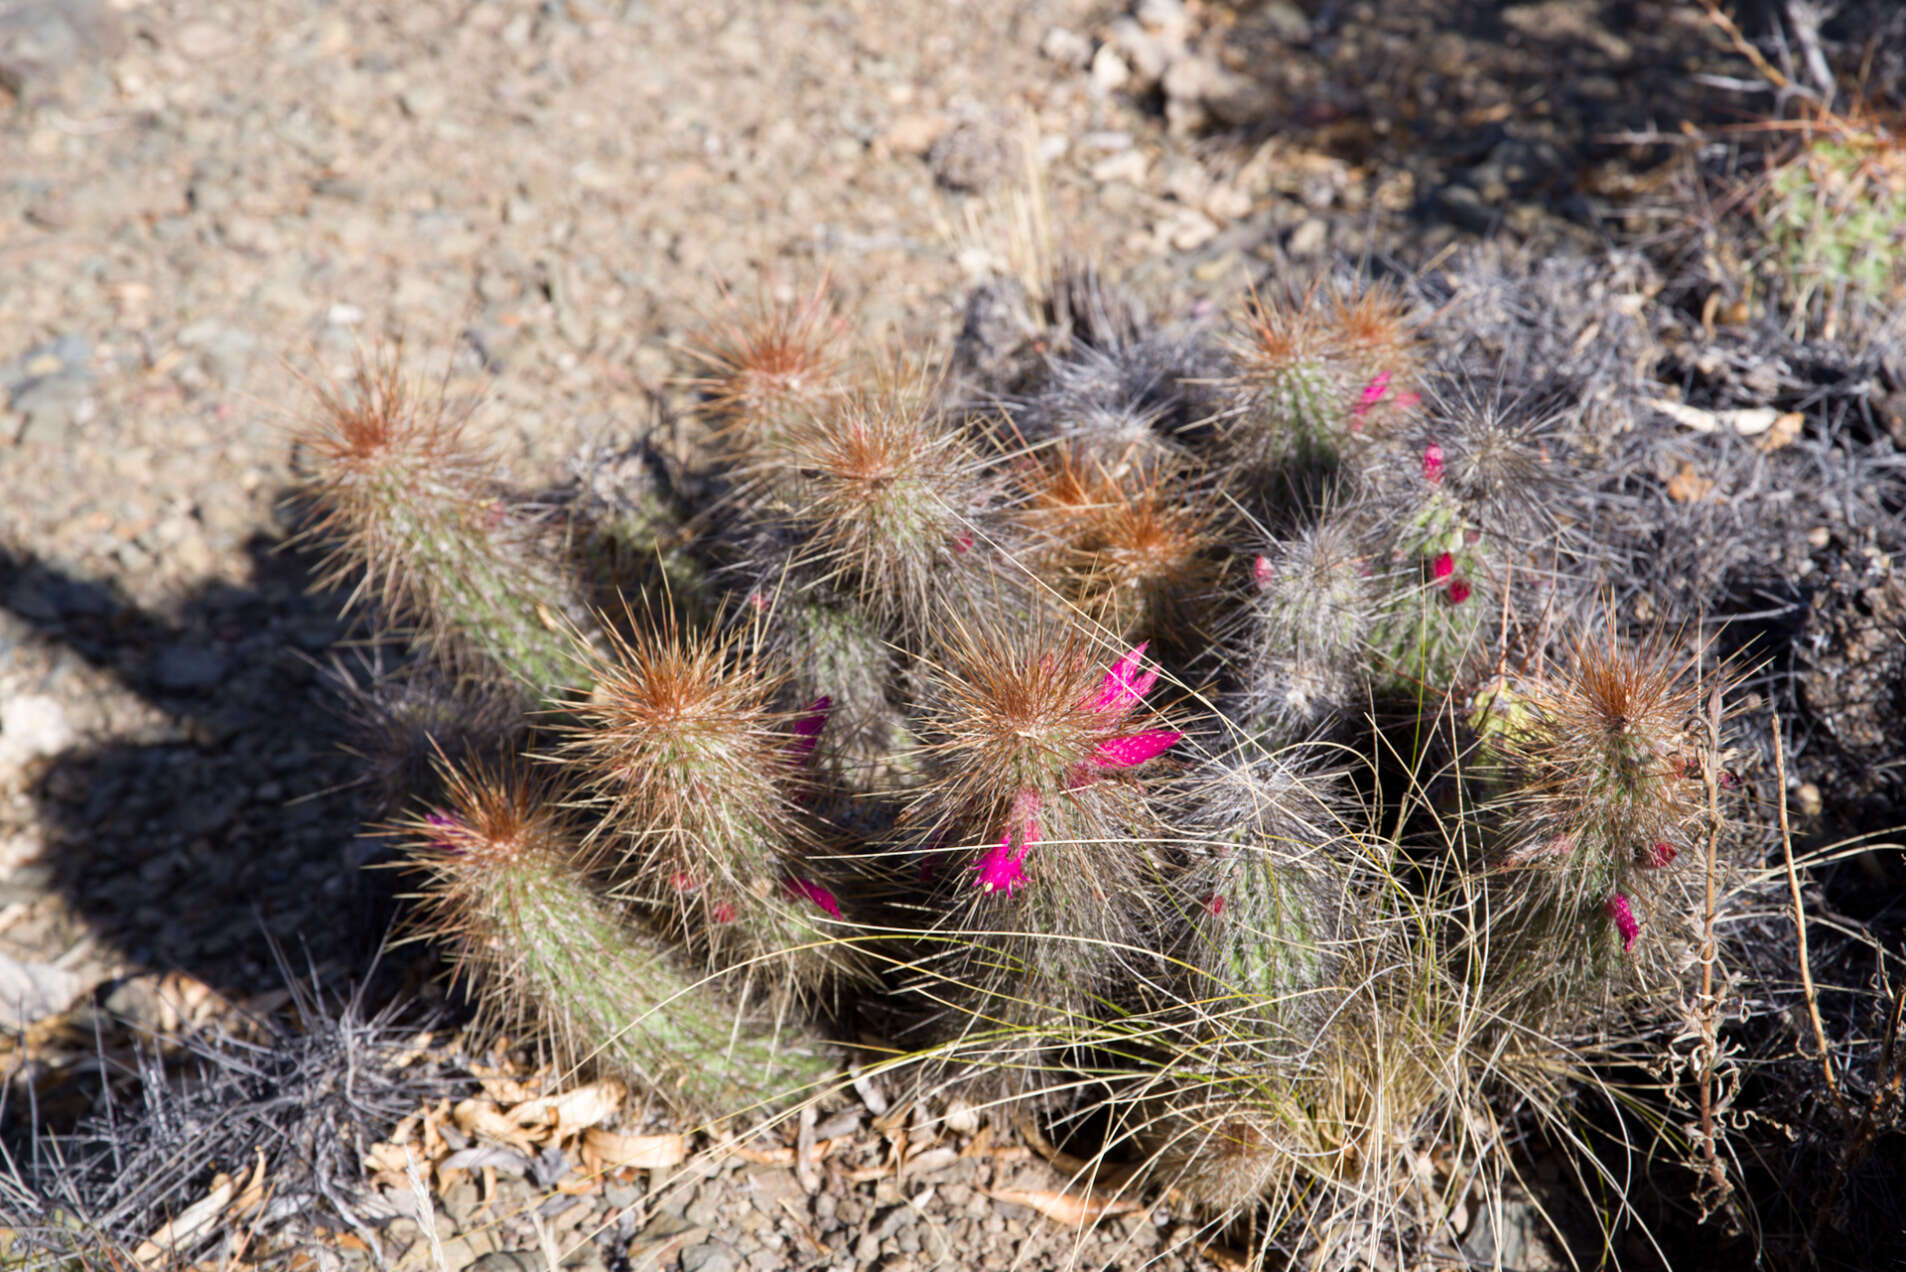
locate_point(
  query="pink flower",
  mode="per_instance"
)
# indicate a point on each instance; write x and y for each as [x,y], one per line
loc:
[1002,869]
[1442,567]
[1261,572]
[1124,689]
[1134,748]
[807,730]
[1372,394]
[1458,591]
[808,890]
[1660,853]
[1618,909]
[1433,464]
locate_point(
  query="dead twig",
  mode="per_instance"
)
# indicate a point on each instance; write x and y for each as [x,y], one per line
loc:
[1805,17]
[1719,17]
[1721,1189]
[1800,929]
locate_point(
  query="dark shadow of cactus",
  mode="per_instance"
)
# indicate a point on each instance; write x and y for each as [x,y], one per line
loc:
[230,824]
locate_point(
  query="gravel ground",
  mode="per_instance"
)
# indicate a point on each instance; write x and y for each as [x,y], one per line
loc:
[203,206]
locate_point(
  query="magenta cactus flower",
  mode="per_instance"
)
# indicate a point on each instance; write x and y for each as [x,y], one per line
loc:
[807,731]
[1618,909]
[1003,869]
[808,890]
[1373,393]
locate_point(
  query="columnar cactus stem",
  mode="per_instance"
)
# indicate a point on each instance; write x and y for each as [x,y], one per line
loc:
[509,889]
[414,520]
[697,781]
[1036,835]
[1596,772]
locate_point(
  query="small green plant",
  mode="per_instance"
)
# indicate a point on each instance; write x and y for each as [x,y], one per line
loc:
[1834,214]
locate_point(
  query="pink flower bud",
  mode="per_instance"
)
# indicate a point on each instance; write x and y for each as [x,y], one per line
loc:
[1001,869]
[1372,394]
[1443,567]
[810,891]
[445,822]
[722,913]
[1458,591]
[807,730]
[1215,903]
[1660,853]
[1261,571]
[1433,464]
[1618,909]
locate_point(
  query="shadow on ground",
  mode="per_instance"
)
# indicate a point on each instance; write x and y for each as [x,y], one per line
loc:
[197,843]
[1569,105]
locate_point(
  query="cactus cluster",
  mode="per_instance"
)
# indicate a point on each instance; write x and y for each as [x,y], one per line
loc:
[1180,730]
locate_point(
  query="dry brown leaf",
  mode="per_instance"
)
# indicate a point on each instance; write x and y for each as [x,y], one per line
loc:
[480,1117]
[1063,1162]
[573,1111]
[252,1195]
[1785,432]
[418,1049]
[893,1120]
[501,1086]
[1071,1209]
[388,1156]
[1688,486]
[765,1156]
[188,1225]
[435,1147]
[185,1000]
[607,1150]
